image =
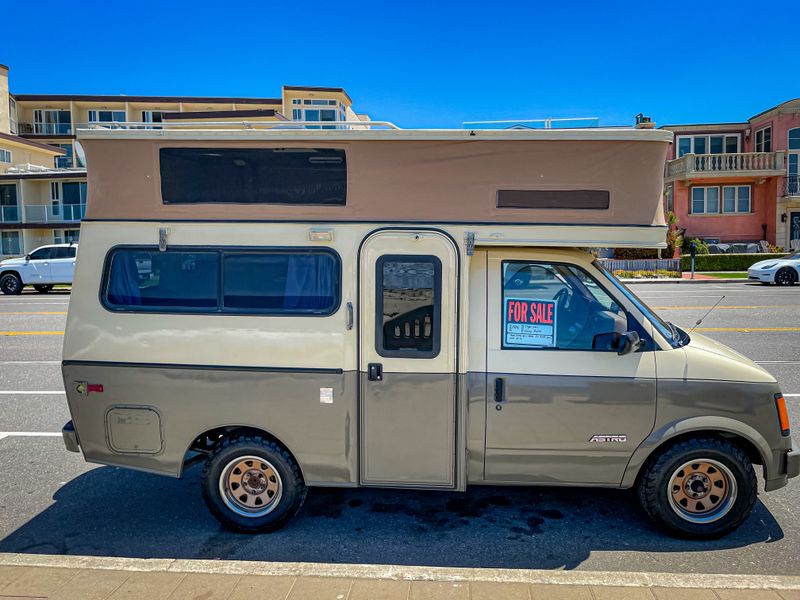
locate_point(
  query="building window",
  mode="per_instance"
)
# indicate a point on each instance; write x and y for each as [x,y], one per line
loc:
[12,115]
[264,282]
[253,176]
[408,307]
[10,242]
[736,199]
[764,140]
[669,199]
[52,122]
[153,116]
[107,116]
[68,200]
[318,114]
[296,101]
[66,236]
[708,144]
[319,102]
[5,156]
[65,161]
[705,200]
[9,210]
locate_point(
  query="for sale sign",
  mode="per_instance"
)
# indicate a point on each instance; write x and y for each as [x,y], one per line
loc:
[529,323]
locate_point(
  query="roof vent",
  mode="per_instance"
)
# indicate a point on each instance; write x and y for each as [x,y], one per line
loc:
[644,122]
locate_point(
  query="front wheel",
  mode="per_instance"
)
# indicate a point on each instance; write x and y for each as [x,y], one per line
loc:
[786,276]
[43,289]
[251,484]
[11,284]
[699,488]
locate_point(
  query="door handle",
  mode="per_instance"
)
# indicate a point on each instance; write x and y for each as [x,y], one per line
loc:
[375,372]
[349,316]
[499,390]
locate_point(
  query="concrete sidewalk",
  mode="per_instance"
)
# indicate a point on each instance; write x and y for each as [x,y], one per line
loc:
[104,578]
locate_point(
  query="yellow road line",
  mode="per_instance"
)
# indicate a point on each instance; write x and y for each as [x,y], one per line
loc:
[31,333]
[33,313]
[747,329]
[721,307]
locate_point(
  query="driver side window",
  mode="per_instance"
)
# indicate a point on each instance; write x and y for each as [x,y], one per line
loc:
[557,306]
[42,254]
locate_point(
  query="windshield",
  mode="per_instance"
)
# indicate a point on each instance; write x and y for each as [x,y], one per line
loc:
[794,256]
[676,336]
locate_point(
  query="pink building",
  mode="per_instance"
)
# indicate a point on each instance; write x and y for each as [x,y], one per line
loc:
[738,182]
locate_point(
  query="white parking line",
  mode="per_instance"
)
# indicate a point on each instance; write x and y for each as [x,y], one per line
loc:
[5,434]
[30,392]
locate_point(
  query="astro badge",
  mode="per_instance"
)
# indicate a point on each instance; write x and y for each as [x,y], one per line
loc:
[529,323]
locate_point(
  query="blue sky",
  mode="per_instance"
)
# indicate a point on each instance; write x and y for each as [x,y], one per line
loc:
[421,64]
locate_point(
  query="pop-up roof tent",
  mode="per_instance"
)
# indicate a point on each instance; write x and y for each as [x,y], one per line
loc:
[596,187]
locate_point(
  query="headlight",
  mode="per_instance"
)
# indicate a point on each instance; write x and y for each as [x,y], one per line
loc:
[769,266]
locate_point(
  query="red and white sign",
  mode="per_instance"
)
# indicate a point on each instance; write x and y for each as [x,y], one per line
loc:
[529,323]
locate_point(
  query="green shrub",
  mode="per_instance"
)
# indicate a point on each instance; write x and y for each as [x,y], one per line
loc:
[634,253]
[724,262]
[701,245]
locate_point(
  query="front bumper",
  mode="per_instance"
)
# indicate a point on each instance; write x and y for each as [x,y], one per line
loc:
[70,437]
[763,276]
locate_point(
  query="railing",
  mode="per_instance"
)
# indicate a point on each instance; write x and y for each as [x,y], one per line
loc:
[725,164]
[9,214]
[201,124]
[791,185]
[44,128]
[650,268]
[54,214]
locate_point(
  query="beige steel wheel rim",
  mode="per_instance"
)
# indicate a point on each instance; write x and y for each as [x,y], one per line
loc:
[250,486]
[702,490]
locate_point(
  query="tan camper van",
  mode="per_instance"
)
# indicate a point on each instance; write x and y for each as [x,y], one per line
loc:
[397,308]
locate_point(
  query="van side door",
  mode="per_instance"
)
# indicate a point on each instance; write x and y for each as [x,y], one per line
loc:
[562,406]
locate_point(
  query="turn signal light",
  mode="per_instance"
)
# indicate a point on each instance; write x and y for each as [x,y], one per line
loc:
[783,415]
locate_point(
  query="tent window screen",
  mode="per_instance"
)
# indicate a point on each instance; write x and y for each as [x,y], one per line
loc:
[253,176]
[408,306]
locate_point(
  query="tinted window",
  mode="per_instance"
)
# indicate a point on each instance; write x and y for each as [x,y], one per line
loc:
[42,254]
[222,280]
[253,176]
[408,306]
[63,252]
[558,307]
[278,282]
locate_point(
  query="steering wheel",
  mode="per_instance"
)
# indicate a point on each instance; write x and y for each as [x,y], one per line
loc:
[569,328]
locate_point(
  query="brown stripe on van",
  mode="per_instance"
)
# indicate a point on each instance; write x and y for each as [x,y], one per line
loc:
[559,199]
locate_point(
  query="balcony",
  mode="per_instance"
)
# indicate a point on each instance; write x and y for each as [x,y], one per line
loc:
[44,129]
[740,164]
[65,213]
[10,214]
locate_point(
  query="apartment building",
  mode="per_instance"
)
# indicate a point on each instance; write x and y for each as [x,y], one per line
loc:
[42,167]
[738,182]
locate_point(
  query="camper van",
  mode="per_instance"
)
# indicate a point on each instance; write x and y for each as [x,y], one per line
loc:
[300,308]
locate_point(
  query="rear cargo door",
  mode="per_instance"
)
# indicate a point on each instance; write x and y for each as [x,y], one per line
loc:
[407,314]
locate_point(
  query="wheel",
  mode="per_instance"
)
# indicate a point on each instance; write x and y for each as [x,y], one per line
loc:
[251,484]
[43,289]
[11,284]
[786,276]
[699,488]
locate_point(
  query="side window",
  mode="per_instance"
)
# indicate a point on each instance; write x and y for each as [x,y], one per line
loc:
[42,254]
[63,252]
[408,306]
[556,306]
[152,280]
[72,251]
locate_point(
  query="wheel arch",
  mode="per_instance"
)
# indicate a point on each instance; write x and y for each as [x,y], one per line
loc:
[12,272]
[747,438]
[205,441]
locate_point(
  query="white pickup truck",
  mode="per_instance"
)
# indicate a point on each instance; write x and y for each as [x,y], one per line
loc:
[43,268]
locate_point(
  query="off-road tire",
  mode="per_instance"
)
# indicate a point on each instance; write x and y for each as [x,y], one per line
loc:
[786,276]
[43,289]
[11,284]
[293,492]
[654,485]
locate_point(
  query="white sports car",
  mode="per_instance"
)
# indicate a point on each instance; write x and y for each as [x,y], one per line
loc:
[782,271]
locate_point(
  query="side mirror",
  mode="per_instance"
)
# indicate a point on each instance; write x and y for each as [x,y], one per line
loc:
[27,257]
[630,342]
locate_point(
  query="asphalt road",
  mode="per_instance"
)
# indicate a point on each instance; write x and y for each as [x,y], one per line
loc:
[51,501]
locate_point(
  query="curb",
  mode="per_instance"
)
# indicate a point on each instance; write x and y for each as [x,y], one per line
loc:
[687,281]
[400,572]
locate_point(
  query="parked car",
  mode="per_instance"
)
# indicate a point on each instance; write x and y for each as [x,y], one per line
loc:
[43,268]
[782,271]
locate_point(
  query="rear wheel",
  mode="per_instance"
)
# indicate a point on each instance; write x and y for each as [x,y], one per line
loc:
[43,289]
[251,484]
[699,488]
[11,284]
[786,276]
